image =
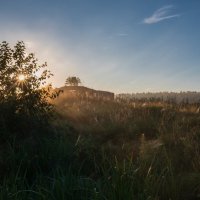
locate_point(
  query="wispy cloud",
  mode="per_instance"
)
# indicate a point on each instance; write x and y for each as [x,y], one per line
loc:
[160,15]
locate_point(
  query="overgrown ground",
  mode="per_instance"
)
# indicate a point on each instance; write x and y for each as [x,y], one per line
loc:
[104,150]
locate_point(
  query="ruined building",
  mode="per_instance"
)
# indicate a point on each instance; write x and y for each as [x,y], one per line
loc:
[85,93]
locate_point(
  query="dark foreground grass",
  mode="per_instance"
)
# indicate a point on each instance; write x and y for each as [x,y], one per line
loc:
[105,151]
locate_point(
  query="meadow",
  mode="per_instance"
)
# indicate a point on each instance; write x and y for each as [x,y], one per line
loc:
[99,100]
[109,150]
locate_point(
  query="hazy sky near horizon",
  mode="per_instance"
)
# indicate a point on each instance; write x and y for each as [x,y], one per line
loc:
[116,45]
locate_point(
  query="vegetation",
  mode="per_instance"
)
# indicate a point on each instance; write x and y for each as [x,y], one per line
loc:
[72,81]
[172,97]
[92,149]
[23,94]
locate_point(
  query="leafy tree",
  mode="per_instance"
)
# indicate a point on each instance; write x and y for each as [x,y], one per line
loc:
[22,92]
[72,81]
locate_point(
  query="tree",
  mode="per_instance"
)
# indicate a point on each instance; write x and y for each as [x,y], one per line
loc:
[72,81]
[22,92]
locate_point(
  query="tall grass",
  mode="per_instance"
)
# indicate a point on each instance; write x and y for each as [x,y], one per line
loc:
[105,150]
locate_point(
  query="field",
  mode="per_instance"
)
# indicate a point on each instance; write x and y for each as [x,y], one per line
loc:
[99,100]
[105,150]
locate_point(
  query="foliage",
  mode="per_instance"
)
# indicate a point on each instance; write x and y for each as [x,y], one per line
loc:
[106,153]
[68,166]
[72,81]
[23,93]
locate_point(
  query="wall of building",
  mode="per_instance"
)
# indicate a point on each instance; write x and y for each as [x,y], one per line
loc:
[84,92]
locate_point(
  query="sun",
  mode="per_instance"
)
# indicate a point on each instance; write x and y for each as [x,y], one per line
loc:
[21,77]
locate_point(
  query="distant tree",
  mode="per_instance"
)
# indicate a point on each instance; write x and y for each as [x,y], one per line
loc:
[21,90]
[72,81]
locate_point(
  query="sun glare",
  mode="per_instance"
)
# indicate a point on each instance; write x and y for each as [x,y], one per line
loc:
[21,77]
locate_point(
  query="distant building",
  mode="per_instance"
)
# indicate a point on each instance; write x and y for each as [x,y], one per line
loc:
[85,93]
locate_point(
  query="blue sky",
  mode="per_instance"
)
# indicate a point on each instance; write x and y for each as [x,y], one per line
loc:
[116,45]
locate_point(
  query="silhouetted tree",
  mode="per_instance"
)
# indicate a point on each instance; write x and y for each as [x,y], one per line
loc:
[72,81]
[22,92]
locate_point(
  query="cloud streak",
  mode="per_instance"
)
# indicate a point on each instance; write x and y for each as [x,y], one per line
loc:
[160,15]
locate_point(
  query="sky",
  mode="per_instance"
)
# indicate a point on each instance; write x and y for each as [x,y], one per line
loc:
[122,46]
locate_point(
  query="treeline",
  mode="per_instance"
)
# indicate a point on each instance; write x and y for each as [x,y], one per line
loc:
[171,97]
